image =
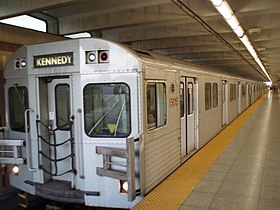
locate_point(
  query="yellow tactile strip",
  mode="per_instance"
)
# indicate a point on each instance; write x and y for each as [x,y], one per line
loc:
[172,192]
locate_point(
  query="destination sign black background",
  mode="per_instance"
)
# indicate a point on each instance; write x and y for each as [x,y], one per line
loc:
[54,56]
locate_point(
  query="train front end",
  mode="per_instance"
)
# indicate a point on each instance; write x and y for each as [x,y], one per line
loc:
[72,123]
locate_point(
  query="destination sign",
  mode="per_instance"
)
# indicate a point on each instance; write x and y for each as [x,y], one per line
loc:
[53,60]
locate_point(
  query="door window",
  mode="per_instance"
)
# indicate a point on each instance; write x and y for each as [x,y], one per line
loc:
[182,99]
[18,103]
[208,96]
[62,100]
[215,95]
[190,98]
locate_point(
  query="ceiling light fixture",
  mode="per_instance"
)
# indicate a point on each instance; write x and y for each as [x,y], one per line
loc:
[224,9]
[254,31]
[261,49]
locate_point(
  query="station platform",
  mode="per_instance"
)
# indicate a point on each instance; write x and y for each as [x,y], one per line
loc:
[238,169]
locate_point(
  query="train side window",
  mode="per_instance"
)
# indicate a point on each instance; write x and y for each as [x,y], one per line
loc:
[207,96]
[215,95]
[18,103]
[156,105]
[107,111]
[62,104]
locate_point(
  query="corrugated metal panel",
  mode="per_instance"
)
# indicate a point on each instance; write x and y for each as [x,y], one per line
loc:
[162,155]
[243,103]
[232,110]
[209,125]
[209,121]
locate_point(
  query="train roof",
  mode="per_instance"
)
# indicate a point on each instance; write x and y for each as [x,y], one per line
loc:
[146,55]
[131,58]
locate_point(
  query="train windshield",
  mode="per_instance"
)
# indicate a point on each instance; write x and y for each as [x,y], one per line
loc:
[18,103]
[107,110]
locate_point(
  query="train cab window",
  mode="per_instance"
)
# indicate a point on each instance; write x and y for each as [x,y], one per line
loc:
[215,95]
[208,96]
[156,105]
[107,110]
[62,104]
[18,103]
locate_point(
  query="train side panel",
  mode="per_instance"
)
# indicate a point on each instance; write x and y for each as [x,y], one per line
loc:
[210,115]
[161,140]
[233,102]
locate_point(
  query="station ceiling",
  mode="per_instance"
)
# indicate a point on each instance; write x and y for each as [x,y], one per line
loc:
[177,28]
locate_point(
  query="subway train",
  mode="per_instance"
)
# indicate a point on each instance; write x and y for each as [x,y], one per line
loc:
[98,123]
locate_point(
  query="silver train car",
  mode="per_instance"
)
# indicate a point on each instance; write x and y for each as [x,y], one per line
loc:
[98,123]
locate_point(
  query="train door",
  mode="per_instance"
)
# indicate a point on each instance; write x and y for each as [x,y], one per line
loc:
[188,114]
[239,98]
[253,97]
[248,95]
[224,103]
[55,132]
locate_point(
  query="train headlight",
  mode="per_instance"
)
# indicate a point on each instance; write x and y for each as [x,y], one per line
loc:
[123,186]
[15,170]
[91,57]
[23,63]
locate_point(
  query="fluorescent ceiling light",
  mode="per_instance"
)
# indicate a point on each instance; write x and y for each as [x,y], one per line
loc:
[224,9]
[26,21]
[239,31]
[245,40]
[233,22]
[217,2]
[78,35]
[252,51]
